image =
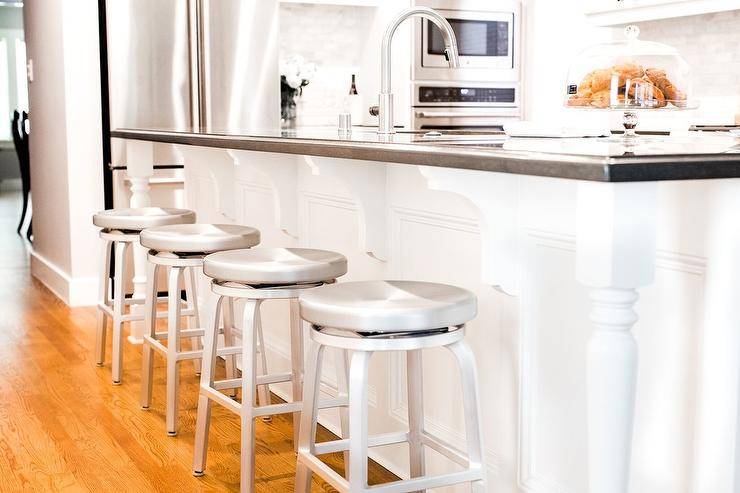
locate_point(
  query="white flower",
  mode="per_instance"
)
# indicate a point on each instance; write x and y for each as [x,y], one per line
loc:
[307,71]
[295,69]
[293,81]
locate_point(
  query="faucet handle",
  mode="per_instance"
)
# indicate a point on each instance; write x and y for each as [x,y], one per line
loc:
[375,110]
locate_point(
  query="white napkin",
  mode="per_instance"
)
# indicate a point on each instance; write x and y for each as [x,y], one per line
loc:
[537,129]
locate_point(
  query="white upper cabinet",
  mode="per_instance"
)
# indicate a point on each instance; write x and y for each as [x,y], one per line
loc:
[617,12]
[356,3]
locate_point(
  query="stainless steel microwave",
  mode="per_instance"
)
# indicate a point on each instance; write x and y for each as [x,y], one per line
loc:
[487,39]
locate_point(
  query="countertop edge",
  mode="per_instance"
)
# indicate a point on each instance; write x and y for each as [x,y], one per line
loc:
[574,167]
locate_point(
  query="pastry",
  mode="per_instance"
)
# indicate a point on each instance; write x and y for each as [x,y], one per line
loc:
[595,81]
[603,99]
[579,100]
[646,94]
[662,82]
[627,71]
[649,88]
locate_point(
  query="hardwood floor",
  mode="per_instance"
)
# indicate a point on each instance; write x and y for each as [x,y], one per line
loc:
[64,427]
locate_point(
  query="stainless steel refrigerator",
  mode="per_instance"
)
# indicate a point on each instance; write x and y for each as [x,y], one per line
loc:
[183,64]
[192,65]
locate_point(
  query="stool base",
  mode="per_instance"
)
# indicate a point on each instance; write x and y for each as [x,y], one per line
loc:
[359,440]
[253,377]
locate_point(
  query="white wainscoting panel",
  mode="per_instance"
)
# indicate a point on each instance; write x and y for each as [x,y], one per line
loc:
[530,350]
[555,330]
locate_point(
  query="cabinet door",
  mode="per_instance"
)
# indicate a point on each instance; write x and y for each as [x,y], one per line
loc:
[606,6]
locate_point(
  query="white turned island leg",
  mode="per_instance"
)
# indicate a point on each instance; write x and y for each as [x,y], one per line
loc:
[615,256]
[139,169]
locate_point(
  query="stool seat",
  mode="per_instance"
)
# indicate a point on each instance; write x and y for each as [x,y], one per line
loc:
[199,238]
[388,306]
[141,218]
[275,266]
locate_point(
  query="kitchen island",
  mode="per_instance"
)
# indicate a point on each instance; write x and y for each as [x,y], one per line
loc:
[513,220]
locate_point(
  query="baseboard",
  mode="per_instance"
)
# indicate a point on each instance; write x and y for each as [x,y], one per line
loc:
[81,291]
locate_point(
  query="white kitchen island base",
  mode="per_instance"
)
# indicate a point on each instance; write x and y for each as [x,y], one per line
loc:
[557,265]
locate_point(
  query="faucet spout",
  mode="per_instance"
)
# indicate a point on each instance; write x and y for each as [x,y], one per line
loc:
[385,101]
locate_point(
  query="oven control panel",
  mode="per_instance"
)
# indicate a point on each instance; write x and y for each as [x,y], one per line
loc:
[437,94]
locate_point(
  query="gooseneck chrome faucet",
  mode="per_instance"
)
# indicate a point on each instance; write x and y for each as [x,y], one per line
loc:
[385,100]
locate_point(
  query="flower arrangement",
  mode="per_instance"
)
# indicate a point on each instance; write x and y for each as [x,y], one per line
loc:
[295,74]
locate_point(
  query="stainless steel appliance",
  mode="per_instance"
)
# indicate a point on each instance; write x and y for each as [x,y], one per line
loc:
[191,64]
[472,106]
[183,64]
[484,92]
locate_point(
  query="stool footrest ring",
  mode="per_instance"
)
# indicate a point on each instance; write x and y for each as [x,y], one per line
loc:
[372,441]
[446,449]
[183,333]
[234,383]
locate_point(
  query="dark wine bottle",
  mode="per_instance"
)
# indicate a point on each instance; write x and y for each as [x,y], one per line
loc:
[353,87]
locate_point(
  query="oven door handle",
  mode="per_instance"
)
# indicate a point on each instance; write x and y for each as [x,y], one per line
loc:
[453,114]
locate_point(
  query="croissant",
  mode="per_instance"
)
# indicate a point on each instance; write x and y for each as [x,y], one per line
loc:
[579,100]
[603,99]
[595,81]
[644,92]
[659,78]
[627,71]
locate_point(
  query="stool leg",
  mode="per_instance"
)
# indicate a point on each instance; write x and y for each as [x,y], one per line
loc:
[194,319]
[264,390]
[309,415]
[203,421]
[249,368]
[473,431]
[150,327]
[173,347]
[296,364]
[103,291]
[118,296]
[358,411]
[342,370]
[415,385]
[229,341]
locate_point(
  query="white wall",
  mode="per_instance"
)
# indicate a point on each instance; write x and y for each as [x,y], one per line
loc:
[709,43]
[65,145]
[345,40]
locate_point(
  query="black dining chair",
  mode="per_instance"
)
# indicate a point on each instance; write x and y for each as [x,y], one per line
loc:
[25,130]
[20,140]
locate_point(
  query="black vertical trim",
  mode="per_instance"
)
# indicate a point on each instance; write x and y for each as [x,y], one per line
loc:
[105,105]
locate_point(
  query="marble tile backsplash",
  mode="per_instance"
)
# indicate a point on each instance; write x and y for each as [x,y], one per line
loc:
[710,43]
[332,36]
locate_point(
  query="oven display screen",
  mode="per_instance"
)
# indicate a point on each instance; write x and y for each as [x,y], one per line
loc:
[474,38]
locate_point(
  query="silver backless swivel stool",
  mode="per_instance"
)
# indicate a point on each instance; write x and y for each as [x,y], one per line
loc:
[121,228]
[181,248]
[257,275]
[370,316]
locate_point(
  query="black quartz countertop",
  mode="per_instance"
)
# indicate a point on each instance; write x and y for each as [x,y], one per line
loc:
[692,156]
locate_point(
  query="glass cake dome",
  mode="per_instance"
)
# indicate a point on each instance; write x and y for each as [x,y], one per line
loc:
[630,76]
